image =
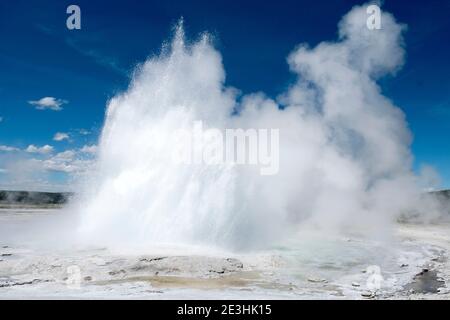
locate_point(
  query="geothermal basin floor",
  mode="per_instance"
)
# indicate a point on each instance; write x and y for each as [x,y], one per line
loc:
[412,264]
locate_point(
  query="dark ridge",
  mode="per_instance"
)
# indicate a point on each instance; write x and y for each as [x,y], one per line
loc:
[443,196]
[33,198]
[442,193]
[60,198]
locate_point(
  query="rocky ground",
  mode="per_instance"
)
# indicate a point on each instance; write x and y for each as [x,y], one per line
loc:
[416,267]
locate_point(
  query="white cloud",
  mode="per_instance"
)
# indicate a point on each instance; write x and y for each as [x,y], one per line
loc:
[28,174]
[84,132]
[34,171]
[42,150]
[60,136]
[8,148]
[65,155]
[67,161]
[89,149]
[61,166]
[49,103]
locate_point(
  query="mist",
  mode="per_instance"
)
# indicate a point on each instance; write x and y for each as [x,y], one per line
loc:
[345,163]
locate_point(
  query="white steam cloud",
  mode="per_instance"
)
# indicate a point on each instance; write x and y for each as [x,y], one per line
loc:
[345,160]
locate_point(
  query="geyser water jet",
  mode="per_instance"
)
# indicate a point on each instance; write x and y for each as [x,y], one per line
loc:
[344,157]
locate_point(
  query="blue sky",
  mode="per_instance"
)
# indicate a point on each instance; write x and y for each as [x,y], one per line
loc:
[82,69]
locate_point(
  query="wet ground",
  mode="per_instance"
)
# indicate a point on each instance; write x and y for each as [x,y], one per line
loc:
[413,265]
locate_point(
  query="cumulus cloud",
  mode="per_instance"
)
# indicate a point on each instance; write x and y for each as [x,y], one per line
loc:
[60,136]
[28,174]
[8,148]
[92,149]
[68,161]
[48,103]
[41,150]
[33,167]
[61,162]
[20,171]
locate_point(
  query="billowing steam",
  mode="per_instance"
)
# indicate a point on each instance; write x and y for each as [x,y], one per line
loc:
[344,156]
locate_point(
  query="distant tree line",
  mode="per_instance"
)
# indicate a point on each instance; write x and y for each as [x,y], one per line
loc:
[34,198]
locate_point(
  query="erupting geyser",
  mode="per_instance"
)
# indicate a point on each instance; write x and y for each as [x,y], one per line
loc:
[344,158]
